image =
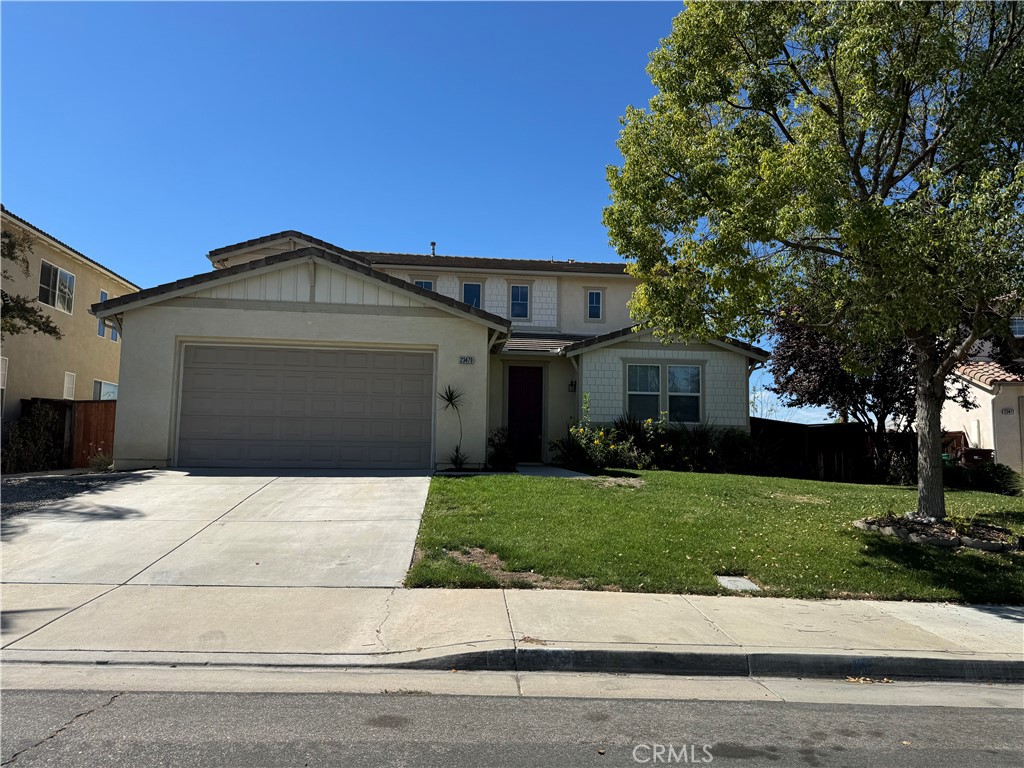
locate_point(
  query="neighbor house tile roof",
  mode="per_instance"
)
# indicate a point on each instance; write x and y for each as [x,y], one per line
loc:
[298,255]
[989,372]
[62,244]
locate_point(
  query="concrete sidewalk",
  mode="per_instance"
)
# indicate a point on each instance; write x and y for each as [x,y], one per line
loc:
[510,630]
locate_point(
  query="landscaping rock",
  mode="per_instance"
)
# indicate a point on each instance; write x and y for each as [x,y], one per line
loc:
[940,533]
[987,546]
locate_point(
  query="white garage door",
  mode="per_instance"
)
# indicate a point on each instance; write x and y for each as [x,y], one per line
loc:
[280,407]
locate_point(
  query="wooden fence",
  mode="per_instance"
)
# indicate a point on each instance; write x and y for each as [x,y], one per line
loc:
[83,429]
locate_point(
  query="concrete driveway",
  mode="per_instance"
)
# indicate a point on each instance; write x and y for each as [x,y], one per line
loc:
[206,528]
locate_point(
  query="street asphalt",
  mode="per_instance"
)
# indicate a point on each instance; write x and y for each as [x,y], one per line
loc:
[140,729]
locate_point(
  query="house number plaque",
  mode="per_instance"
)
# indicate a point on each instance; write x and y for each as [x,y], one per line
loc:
[1008,411]
[466,360]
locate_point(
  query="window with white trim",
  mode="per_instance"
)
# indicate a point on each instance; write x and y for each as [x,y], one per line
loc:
[643,391]
[519,302]
[425,284]
[684,393]
[101,324]
[595,304]
[1017,326]
[56,287]
[69,385]
[472,294]
[104,390]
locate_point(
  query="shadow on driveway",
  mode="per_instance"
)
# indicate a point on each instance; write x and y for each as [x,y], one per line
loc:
[22,496]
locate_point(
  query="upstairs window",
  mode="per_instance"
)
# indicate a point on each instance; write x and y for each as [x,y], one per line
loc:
[1017,326]
[56,287]
[595,304]
[472,294]
[643,391]
[101,325]
[425,284]
[519,302]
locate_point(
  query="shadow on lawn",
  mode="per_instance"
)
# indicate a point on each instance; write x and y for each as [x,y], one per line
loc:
[975,577]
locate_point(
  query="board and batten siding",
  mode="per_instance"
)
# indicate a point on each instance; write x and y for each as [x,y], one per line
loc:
[330,286]
[725,401]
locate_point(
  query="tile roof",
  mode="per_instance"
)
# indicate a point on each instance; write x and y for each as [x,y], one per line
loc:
[590,341]
[298,255]
[989,372]
[373,258]
[479,262]
[315,241]
[62,244]
[540,342]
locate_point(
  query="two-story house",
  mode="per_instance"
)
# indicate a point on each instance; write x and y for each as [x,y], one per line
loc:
[84,363]
[294,352]
[997,423]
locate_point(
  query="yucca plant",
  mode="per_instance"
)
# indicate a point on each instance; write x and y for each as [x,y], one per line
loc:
[453,399]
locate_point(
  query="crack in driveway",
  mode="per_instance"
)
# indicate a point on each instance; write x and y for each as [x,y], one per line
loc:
[387,615]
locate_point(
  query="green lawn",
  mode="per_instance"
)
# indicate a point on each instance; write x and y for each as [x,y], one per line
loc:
[676,531]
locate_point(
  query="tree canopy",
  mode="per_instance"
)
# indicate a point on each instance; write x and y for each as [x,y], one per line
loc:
[861,161]
[21,313]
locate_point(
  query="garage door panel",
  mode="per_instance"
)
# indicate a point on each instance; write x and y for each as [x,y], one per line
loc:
[279,407]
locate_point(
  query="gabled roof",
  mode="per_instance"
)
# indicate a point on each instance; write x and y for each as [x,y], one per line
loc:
[989,372]
[613,337]
[288,233]
[240,271]
[65,246]
[426,260]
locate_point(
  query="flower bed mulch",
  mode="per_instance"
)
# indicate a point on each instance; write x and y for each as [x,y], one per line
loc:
[941,533]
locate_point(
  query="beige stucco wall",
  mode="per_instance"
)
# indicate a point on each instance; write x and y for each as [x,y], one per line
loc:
[976,423]
[724,378]
[36,363]
[154,335]
[996,424]
[1008,425]
[573,303]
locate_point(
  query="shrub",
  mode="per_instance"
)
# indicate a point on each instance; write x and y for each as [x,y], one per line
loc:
[500,454]
[989,477]
[35,441]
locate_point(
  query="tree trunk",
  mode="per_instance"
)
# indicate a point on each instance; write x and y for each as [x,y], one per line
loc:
[931,500]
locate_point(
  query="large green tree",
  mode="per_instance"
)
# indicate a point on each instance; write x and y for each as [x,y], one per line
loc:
[859,160]
[20,313]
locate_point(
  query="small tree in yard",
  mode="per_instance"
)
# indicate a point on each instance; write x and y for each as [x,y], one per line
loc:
[860,161]
[21,313]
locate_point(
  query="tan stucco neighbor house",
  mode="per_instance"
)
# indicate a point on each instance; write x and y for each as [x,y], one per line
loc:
[294,352]
[84,363]
[998,390]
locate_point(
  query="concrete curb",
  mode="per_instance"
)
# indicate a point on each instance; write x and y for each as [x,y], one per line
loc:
[700,663]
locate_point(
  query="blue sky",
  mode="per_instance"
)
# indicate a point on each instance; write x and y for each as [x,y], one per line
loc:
[146,134]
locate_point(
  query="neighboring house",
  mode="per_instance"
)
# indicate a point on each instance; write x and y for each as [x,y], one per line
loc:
[998,421]
[83,365]
[297,353]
